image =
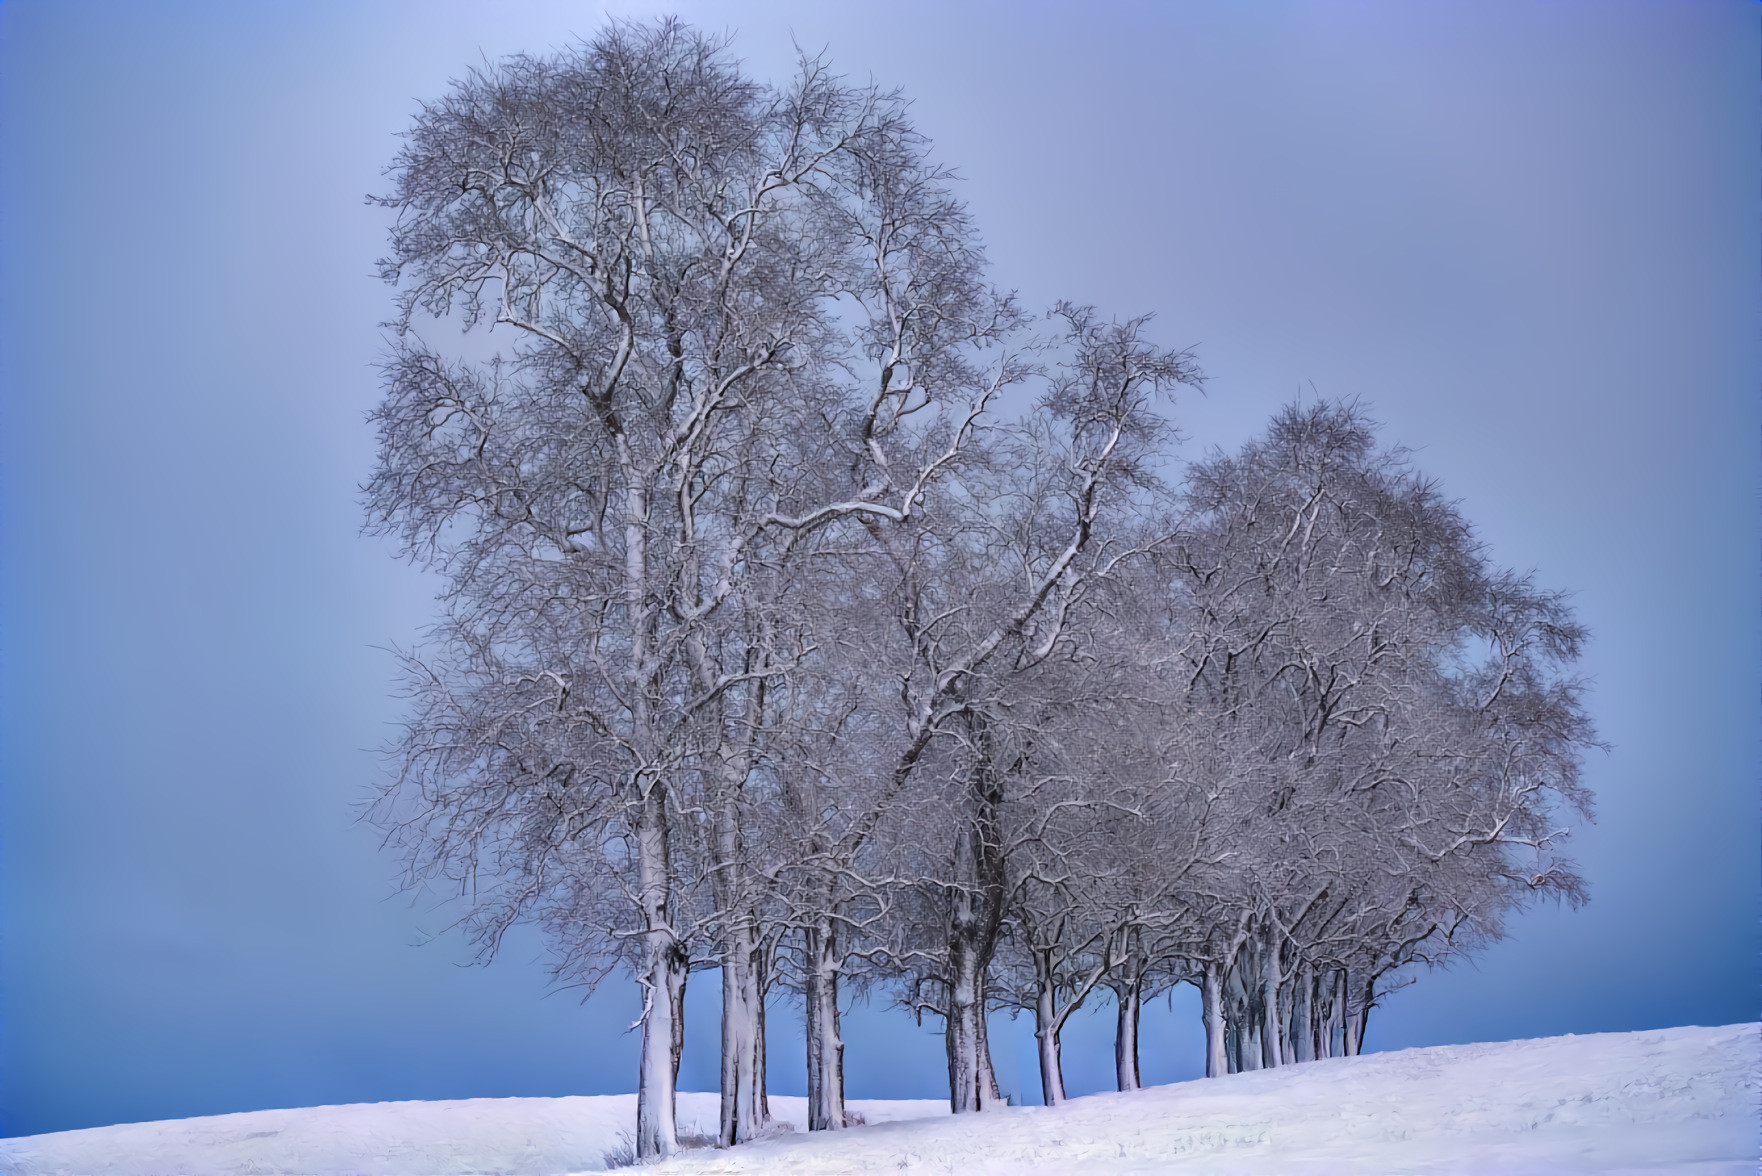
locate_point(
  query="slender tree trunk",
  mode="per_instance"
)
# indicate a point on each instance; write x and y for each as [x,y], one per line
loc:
[1340,1012]
[1244,1010]
[664,958]
[1130,999]
[1052,1079]
[1245,1005]
[1128,990]
[989,1093]
[1046,1026]
[1287,1043]
[1355,1017]
[972,936]
[1211,1005]
[1274,1044]
[743,962]
[1303,1015]
[825,1046]
[663,983]
[676,997]
[1359,1020]
[761,1096]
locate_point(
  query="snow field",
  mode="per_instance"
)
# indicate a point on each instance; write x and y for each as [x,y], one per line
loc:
[1672,1100]
[512,1136]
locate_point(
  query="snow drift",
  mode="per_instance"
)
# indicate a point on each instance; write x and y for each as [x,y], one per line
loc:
[1676,1100]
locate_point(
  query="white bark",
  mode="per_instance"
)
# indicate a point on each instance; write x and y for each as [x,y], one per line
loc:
[743,1112]
[1130,1000]
[825,1046]
[1211,1001]
[966,1009]
[663,984]
[1046,1028]
[1050,1016]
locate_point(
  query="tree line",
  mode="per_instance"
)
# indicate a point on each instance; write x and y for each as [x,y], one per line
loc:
[814,613]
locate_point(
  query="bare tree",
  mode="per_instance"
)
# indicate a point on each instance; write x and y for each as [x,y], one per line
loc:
[994,597]
[662,244]
[1353,648]
[768,645]
[696,296]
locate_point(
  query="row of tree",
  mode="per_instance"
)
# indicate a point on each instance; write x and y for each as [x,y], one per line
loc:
[771,643]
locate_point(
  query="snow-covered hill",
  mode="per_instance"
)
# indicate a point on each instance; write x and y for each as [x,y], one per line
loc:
[1673,1100]
[512,1136]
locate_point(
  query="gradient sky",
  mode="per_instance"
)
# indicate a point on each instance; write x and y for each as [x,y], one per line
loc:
[1526,234]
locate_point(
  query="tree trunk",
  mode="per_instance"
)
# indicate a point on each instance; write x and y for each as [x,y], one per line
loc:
[743,964]
[657,1074]
[1125,1039]
[1211,1004]
[1046,1026]
[676,997]
[663,983]
[976,916]
[743,1027]
[1355,1018]
[962,1036]
[1359,1019]
[989,1094]
[664,957]
[1245,1007]
[825,1047]
[1128,990]
[1303,1015]
[1274,1045]
[759,1093]
[972,1084]
[1337,1013]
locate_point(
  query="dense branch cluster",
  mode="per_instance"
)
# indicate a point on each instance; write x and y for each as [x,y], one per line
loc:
[770,643]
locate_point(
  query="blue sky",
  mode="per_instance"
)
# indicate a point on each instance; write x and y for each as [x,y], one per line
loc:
[1525,233]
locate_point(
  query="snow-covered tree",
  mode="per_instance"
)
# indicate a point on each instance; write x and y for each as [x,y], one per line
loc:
[648,252]
[1393,717]
[714,333]
[768,644]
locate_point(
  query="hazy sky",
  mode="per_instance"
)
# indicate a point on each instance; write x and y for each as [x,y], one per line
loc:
[1526,234]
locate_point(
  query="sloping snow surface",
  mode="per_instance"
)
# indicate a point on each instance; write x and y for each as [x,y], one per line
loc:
[1673,1100]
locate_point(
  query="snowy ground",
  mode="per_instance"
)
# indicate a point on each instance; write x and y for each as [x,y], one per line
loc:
[1673,1100]
[512,1136]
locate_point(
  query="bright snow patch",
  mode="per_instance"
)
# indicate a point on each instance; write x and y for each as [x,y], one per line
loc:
[1676,1100]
